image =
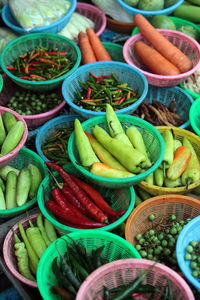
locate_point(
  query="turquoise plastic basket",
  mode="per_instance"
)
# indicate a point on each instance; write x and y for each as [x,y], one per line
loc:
[195,116]
[166,95]
[153,141]
[115,51]
[115,248]
[124,72]
[1,83]
[191,232]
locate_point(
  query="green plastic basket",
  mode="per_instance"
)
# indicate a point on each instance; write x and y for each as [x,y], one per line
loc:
[121,199]
[195,116]
[115,51]
[152,138]
[28,42]
[115,248]
[22,160]
[1,83]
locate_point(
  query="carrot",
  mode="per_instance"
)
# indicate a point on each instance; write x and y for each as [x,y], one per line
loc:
[156,63]
[99,50]
[88,55]
[162,45]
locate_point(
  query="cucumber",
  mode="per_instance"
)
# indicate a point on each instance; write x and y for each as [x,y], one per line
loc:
[188,12]
[2,185]
[5,170]
[2,131]
[9,120]
[11,184]
[13,138]
[36,178]
[2,200]
[23,186]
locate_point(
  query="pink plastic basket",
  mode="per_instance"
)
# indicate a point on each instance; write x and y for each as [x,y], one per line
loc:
[124,271]
[31,120]
[95,14]
[8,251]
[4,160]
[186,44]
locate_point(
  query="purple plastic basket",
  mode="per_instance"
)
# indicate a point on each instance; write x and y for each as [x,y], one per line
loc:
[125,271]
[186,44]
[93,13]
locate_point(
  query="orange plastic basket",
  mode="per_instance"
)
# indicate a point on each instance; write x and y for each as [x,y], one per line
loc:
[164,205]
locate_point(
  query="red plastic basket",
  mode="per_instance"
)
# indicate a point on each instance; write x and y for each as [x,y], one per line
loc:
[125,271]
[4,160]
[186,44]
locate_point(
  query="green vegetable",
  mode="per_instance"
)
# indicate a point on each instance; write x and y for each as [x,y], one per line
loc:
[177,144]
[162,21]
[2,131]
[143,194]
[5,170]
[9,120]
[188,12]
[150,178]
[169,149]
[50,230]
[196,2]
[23,186]
[159,177]
[42,230]
[11,185]
[36,240]
[133,3]
[172,183]
[151,4]
[36,178]
[169,3]
[2,200]
[189,30]
[2,185]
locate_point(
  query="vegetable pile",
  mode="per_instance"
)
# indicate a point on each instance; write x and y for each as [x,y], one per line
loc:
[11,132]
[159,243]
[6,36]
[150,5]
[73,201]
[29,103]
[193,255]
[55,145]
[97,91]
[118,155]
[180,165]
[41,64]
[33,241]
[18,186]
[158,114]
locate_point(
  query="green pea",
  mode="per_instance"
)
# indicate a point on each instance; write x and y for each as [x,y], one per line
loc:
[152,217]
[188,257]
[164,243]
[139,236]
[150,256]
[143,253]
[141,241]
[173,231]
[195,274]
[194,257]
[194,243]
[161,236]
[189,249]
[173,217]
[166,251]
[138,247]
[151,232]
[150,251]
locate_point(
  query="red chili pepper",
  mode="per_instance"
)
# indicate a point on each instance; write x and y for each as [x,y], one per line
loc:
[48,61]
[95,212]
[26,69]
[64,222]
[73,200]
[35,55]
[37,76]
[59,212]
[96,197]
[122,100]
[56,53]
[11,68]
[24,77]
[89,91]
[101,78]
[23,55]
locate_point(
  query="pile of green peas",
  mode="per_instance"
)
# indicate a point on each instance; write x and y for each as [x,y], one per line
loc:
[193,255]
[159,243]
[29,103]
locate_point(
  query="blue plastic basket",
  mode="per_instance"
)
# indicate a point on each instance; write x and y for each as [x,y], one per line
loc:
[191,232]
[55,27]
[166,95]
[124,72]
[48,128]
[133,11]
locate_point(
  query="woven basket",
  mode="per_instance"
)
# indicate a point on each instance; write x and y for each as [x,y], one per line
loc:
[115,248]
[186,44]
[182,206]
[179,133]
[125,271]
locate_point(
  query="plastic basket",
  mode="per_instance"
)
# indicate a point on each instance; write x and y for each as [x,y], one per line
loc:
[125,73]
[179,133]
[6,159]
[95,14]
[10,88]
[195,116]
[28,42]
[153,141]
[186,44]
[55,27]
[115,248]
[24,157]
[1,83]
[182,206]
[190,92]
[125,271]
[133,11]
[178,22]
[115,51]
[166,95]
[191,232]
[8,251]
[51,126]
[121,199]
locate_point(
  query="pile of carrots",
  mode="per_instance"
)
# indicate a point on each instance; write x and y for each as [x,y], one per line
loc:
[163,58]
[92,49]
